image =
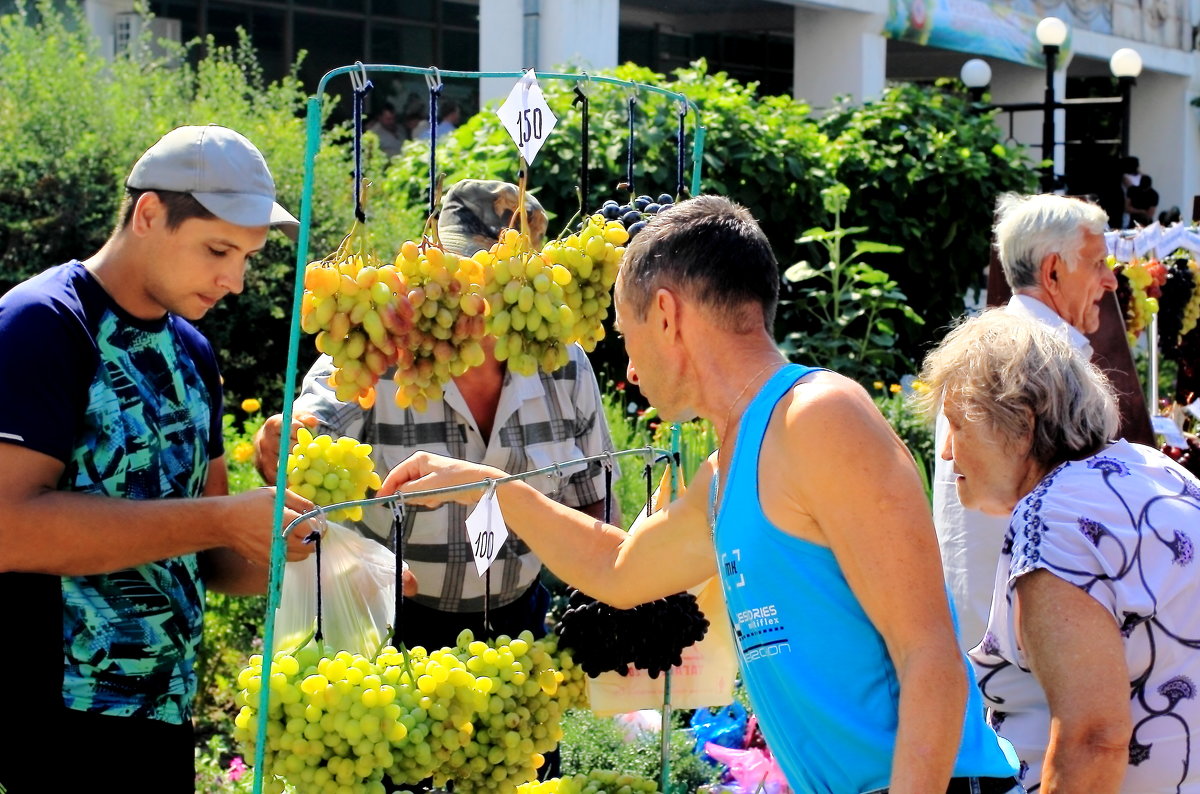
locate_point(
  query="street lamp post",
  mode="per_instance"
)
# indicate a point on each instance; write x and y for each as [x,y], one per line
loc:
[1126,65]
[1051,33]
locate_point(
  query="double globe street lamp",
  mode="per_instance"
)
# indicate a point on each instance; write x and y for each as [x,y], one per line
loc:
[1051,33]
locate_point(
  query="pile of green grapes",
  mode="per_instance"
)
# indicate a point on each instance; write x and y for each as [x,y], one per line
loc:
[326,472]
[480,714]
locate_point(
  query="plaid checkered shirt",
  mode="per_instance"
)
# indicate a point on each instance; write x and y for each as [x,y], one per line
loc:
[540,420]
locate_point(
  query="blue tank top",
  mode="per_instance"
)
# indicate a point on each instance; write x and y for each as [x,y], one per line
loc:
[818,673]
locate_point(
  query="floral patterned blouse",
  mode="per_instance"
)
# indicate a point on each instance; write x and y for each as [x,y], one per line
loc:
[1119,525]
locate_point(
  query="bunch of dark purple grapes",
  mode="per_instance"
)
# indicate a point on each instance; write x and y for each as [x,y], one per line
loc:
[650,636]
[633,216]
[1176,294]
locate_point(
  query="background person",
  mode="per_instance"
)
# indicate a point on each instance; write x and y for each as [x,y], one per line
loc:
[1053,253]
[387,127]
[821,534]
[1089,660]
[105,546]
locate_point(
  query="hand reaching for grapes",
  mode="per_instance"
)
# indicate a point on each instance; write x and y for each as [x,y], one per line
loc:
[266,441]
[249,523]
[423,471]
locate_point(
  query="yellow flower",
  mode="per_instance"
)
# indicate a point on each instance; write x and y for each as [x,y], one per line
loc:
[243,452]
[895,388]
[251,405]
[879,385]
[920,386]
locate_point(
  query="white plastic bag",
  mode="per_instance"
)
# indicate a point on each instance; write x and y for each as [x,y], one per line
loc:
[358,595]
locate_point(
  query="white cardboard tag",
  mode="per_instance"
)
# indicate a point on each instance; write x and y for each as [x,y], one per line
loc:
[486,531]
[1169,431]
[527,117]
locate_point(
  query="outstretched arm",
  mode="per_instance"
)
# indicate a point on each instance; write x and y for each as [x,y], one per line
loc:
[670,552]
[46,530]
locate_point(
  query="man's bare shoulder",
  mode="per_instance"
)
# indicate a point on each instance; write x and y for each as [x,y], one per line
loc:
[825,410]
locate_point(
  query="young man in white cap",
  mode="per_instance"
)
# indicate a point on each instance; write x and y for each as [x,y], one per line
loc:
[110,435]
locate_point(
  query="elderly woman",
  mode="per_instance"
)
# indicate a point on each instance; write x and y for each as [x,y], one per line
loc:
[1090,662]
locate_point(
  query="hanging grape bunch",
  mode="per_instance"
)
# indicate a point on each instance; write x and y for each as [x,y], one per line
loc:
[1177,293]
[358,309]
[651,636]
[633,216]
[445,292]
[326,472]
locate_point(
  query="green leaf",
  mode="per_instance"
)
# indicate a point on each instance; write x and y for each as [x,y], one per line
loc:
[868,247]
[801,271]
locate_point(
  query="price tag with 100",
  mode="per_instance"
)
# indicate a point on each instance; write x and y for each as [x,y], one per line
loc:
[486,531]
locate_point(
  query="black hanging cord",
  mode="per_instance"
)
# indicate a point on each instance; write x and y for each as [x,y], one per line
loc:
[649,472]
[320,635]
[362,87]
[629,153]
[608,493]
[435,91]
[398,549]
[581,98]
[680,141]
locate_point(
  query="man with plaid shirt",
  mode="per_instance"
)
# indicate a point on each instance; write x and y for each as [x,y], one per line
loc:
[489,415]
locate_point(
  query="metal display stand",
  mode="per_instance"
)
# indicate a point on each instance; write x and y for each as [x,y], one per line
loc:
[312,145]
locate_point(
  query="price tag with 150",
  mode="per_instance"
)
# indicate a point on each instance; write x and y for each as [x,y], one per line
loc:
[526,116]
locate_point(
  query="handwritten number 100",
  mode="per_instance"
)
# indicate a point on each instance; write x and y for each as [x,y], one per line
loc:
[483,545]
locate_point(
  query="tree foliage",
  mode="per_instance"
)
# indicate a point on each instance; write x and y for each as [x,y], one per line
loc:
[923,169]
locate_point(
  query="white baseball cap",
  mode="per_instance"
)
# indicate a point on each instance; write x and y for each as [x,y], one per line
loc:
[221,169]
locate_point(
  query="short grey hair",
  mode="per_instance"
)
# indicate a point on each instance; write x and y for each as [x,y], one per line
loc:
[1030,228]
[1023,379]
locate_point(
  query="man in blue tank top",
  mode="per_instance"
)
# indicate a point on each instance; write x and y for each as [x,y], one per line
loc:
[812,514]
[110,435]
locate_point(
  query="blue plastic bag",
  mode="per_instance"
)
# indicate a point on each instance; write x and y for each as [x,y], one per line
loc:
[726,728]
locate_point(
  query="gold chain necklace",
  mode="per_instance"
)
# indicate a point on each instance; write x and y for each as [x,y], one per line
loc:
[746,388]
[716,481]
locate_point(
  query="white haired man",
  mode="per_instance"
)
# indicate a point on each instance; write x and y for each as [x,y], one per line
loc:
[1053,253]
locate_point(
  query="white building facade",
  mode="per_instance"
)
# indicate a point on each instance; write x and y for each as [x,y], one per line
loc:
[836,47]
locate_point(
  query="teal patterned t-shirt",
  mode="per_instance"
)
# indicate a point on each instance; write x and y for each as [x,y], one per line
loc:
[145,427]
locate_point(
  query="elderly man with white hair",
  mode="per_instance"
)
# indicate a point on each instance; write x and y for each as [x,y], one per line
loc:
[1053,253]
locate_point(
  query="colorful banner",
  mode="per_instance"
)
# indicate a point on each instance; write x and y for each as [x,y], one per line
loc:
[978,27]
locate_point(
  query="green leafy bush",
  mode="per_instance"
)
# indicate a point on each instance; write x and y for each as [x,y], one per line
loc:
[590,742]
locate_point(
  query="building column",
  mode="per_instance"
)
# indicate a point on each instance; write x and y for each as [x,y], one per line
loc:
[838,52]
[553,34]
[102,16]
[1163,136]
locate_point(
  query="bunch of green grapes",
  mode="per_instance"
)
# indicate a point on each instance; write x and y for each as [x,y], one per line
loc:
[1141,305]
[481,714]
[520,721]
[593,257]
[326,472]
[1191,310]
[531,313]
[359,310]
[445,292]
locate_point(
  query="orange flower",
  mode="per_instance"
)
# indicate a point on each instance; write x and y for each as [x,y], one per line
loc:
[243,452]
[251,405]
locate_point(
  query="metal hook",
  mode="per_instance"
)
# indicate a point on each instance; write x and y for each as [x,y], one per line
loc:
[434,79]
[585,85]
[358,80]
[322,528]
[609,460]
